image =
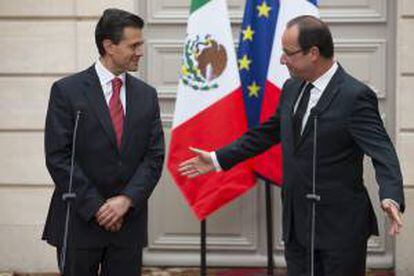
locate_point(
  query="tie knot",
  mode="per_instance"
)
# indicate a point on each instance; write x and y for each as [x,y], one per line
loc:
[308,87]
[116,85]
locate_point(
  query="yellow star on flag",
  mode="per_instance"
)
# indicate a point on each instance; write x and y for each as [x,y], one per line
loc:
[248,33]
[244,63]
[184,70]
[253,90]
[263,9]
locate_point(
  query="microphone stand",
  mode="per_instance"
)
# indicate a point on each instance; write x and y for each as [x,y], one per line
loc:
[313,196]
[69,197]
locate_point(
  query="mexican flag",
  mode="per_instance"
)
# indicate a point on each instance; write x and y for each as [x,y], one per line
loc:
[209,111]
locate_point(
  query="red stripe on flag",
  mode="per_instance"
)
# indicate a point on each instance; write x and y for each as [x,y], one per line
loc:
[214,127]
[269,164]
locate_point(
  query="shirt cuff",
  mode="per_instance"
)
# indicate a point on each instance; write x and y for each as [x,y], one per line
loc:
[395,203]
[216,164]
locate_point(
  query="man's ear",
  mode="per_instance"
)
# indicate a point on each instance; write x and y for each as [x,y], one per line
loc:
[315,53]
[108,46]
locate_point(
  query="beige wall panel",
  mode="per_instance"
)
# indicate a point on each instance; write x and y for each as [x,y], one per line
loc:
[277,223]
[22,159]
[37,47]
[405,241]
[404,265]
[376,244]
[366,60]
[165,63]
[406,46]
[407,7]
[177,11]
[406,149]
[24,206]
[96,7]
[167,105]
[23,102]
[87,53]
[353,10]
[406,103]
[30,8]
[23,250]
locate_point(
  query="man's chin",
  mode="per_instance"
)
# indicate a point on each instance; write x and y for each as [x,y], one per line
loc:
[292,74]
[133,68]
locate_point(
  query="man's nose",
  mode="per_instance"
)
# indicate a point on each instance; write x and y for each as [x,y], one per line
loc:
[139,51]
[283,59]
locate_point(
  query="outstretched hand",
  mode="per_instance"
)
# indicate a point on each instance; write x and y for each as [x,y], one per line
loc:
[200,164]
[395,217]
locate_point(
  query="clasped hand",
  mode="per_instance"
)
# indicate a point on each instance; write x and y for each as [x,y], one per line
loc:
[111,214]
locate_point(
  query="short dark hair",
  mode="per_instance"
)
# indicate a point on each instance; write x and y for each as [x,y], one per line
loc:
[313,32]
[111,26]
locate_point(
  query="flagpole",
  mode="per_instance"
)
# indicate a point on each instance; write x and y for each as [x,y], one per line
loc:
[203,259]
[269,227]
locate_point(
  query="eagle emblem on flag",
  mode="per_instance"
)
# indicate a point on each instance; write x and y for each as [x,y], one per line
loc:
[204,60]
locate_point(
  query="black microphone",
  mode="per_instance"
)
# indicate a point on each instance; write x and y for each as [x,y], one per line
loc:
[314,112]
[80,110]
[313,197]
[70,196]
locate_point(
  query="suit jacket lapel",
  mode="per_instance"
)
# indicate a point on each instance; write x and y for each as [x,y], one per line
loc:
[130,109]
[328,95]
[295,95]
[94,94]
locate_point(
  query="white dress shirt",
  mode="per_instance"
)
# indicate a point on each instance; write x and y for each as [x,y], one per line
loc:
[319,86]
[105,77]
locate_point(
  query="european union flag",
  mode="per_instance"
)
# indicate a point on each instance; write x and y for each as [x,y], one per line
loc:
[255,47]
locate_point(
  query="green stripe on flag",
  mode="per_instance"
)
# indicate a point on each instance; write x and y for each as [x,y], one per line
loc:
[195,4]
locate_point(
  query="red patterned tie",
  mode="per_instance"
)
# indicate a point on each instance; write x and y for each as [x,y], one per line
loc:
[116,109]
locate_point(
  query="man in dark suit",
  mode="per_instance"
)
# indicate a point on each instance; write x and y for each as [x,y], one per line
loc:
[119,154]
[348,126]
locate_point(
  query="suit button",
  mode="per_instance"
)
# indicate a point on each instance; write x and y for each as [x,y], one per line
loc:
[119,163]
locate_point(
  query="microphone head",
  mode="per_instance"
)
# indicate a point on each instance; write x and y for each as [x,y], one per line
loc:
[80,109]
[314,112]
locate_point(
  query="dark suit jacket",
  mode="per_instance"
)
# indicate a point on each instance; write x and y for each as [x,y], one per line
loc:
[349,126]
[101,170]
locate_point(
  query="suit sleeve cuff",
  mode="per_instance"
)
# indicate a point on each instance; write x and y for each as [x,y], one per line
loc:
[89,209]
[216,163]
[395,203]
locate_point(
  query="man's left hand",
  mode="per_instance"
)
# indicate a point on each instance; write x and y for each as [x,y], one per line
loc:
[113,210]
[395,216]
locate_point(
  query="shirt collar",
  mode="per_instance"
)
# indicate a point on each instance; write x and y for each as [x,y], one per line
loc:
[322,82]
[105,76]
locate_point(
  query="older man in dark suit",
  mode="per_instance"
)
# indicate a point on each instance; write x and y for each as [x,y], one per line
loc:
[349,126]
[119,153]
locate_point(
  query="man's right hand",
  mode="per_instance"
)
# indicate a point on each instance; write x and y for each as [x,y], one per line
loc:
[200,164]
[110,214]
[115,227]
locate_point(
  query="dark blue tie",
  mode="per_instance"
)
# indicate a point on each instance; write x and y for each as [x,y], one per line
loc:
[300,112]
